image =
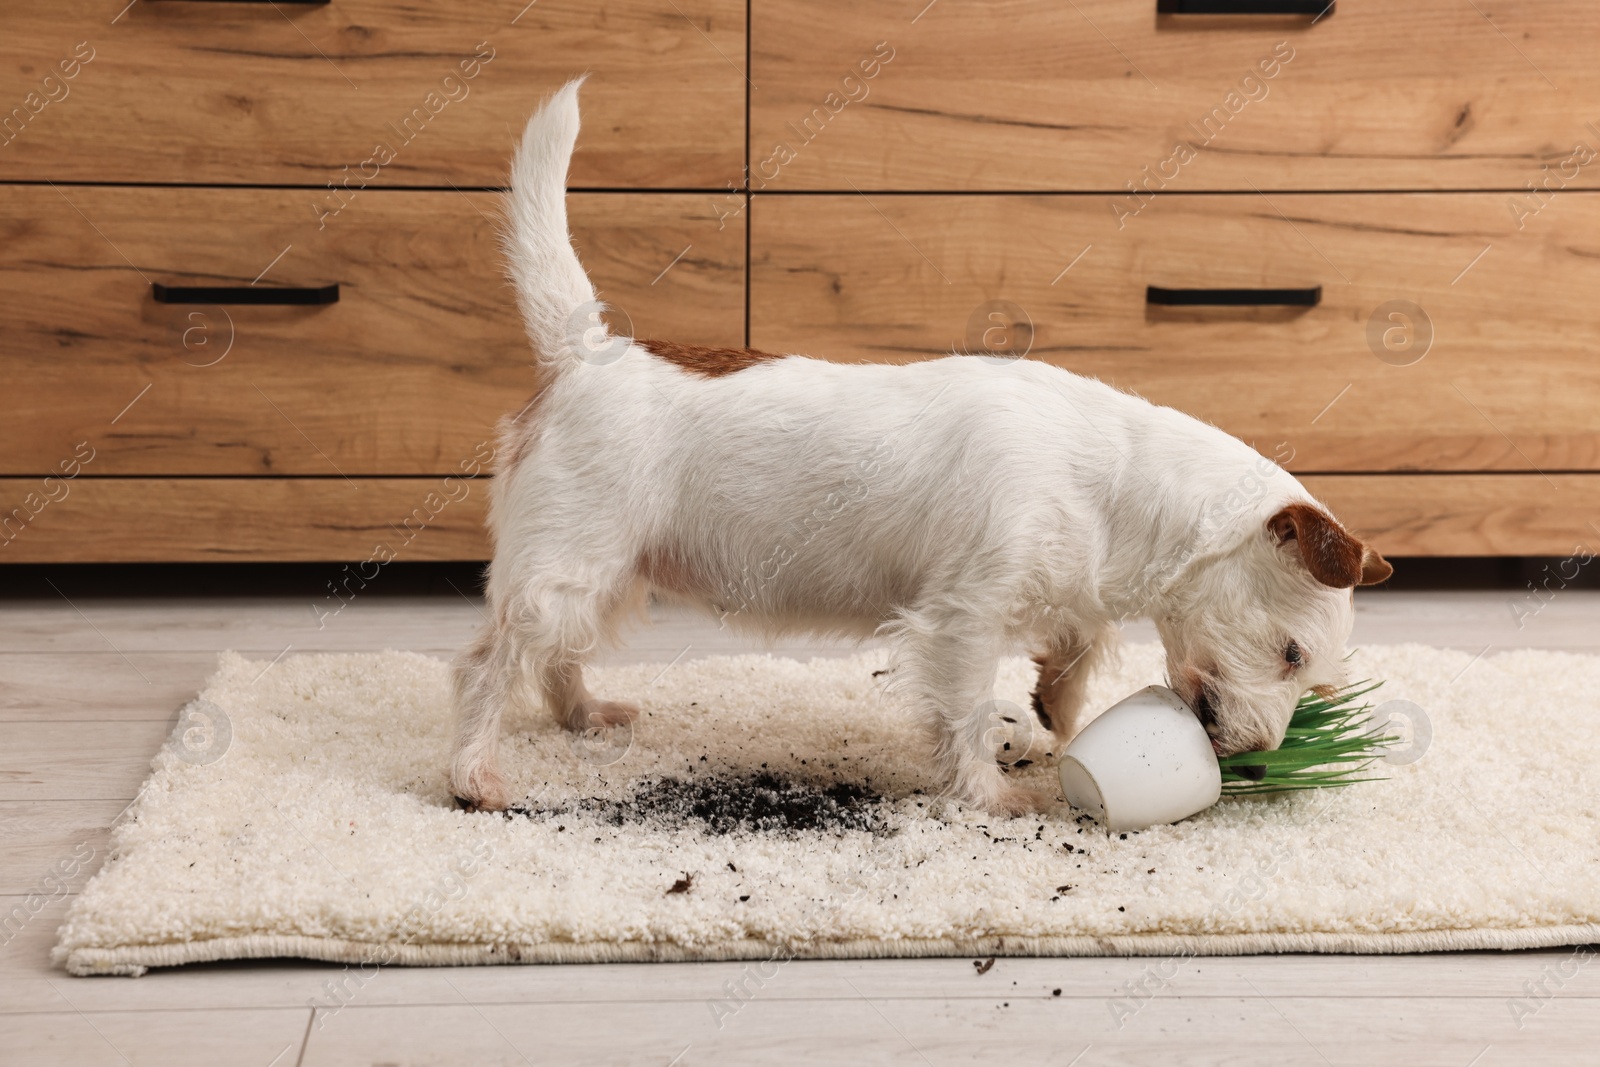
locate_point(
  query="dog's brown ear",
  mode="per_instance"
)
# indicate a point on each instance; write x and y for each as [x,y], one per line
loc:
[1330,553]
[1374,568]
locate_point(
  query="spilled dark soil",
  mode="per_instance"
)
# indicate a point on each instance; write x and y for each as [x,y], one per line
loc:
[757,803]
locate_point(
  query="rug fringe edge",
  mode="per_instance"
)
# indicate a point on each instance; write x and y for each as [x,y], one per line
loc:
[134,960]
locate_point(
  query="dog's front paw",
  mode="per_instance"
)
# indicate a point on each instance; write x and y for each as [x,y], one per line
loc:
[1002,798]
[482,791]
[1013,800]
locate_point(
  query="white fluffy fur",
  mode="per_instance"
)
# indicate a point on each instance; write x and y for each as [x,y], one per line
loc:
[962,506]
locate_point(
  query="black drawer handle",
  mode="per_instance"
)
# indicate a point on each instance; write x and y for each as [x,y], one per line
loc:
[244,294]
[1244,7]
[1299,298]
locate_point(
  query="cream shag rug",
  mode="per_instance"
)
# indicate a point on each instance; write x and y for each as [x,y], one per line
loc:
[770,807]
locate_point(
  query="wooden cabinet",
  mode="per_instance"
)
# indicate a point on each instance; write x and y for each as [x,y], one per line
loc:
[307,94]
[1010,179]
[1095,94]
[354,144]
[897,182]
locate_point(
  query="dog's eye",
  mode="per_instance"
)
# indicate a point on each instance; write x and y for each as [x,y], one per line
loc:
[1292,655]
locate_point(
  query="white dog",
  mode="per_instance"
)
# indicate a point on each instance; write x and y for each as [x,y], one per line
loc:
[963,507]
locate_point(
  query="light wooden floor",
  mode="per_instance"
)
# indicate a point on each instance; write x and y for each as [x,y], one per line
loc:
[88,690]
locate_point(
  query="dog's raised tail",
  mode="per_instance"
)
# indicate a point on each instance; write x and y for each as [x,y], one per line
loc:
[558,303]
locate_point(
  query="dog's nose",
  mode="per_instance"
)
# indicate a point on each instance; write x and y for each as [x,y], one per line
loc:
[1203,708]
[1255,772]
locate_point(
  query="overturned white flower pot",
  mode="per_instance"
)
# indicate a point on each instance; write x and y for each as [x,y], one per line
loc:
[1145,760]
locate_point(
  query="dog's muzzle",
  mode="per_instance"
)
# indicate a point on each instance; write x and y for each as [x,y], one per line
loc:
[1206,711]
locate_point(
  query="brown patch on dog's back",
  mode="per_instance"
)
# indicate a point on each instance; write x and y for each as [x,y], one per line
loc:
[704,360]
[516,431]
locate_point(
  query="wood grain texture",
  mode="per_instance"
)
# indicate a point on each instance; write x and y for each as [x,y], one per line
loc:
[406,374]
[25,968]
[1035,94]
[52,847]
[213,93]
[1509,381]
[176,1037]
[77,760]
[368,521]
[99,684]
[816,983]
[1197,1031]
[1468,514]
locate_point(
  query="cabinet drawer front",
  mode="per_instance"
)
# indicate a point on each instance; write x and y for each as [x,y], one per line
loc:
[1443,338]
[1096,94]
[368,91]
[1470,515]
[406,374]
[218,520]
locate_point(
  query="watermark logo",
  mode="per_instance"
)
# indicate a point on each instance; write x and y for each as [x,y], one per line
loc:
[1198,135]
[852,87]
[754,978]
[1553,580]
[601,744]
[454,86]
[591,340]
[1400,333]
[1553,977]
[53,489]
[202,338]
[1408,722]
[203,733]
[53,88]
[999,331]
[54,886]
[1010,732]
[1524,206]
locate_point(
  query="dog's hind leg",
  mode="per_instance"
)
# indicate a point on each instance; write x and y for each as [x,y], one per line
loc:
[1064,669]
[947,670]
[481,679]
[541,634]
